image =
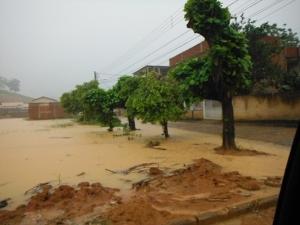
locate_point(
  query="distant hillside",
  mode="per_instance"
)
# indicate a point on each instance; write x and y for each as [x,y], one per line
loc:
[7,96]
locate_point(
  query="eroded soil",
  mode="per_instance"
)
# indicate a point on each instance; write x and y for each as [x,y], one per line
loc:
[159,199]
[42,163]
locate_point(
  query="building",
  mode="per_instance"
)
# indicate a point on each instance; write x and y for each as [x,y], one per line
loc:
[273,107]
[45,108]
[161,70]
[288,58]
[13,110]
[196,51]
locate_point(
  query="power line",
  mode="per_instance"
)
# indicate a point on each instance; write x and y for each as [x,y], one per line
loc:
[276,2]
[232,3]
[243,10]
[185,43]
[161,28]
[175,20]
[153,52]
[249,6]
[276,10]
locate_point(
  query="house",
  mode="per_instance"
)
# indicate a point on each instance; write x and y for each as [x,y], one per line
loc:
[161,70]
[45,108]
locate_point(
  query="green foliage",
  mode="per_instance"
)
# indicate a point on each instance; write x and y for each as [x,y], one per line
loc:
[156,100]
[73,102]
[207,17]
[226,67]
[193,77]
[92,104]
[125,86]
[265,43]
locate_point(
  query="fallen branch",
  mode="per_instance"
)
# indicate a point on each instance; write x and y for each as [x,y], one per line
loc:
[36,188]
[114,172]
[143,165]
[131,169]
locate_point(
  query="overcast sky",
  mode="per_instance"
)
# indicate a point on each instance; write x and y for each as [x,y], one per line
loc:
[52,45]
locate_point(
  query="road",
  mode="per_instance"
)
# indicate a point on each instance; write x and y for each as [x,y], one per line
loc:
[274,133]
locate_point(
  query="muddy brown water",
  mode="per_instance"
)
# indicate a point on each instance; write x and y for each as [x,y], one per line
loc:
[57,151]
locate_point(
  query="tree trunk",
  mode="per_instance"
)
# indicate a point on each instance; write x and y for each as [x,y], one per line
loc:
[165,129]
[111,127]
[131,123]
[228,123]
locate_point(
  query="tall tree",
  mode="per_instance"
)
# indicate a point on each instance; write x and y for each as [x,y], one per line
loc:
[157,101]
[224,71]
[125,87]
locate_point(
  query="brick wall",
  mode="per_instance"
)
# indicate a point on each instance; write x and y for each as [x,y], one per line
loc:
[40,111]
[197,50]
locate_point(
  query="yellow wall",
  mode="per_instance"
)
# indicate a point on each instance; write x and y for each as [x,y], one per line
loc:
[266,108]
[196,114]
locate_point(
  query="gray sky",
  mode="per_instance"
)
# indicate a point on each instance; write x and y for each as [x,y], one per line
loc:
[52,45]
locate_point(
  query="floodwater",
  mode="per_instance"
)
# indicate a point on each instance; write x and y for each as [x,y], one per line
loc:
[57,151]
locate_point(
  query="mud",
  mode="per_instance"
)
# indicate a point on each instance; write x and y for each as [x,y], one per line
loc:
[180,194]
[169,183]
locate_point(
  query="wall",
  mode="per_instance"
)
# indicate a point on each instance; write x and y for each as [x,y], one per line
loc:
[266,108]
[197,50]
[37,111]
[257,108]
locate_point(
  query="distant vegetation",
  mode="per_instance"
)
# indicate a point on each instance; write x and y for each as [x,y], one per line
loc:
[10,84]
[7,96]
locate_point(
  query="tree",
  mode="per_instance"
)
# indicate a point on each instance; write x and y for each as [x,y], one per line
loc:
[102,103]
[73,102]
[125,86]
[157,100]
[224,71]
[12,84]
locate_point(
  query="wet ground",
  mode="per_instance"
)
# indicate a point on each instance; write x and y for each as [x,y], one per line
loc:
[275,132]
[61,152]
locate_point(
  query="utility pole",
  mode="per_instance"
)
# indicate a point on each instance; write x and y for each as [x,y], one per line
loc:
[95,75]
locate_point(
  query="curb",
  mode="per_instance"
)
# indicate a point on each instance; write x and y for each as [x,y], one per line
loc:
[233,210]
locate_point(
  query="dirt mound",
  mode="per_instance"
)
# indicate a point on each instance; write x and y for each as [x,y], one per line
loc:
[159,199]
[202,176]
[73,201]
[197,187]
[12,217]
[138,212]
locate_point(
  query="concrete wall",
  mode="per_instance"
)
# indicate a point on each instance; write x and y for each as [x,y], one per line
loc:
[257,108]
[266,108]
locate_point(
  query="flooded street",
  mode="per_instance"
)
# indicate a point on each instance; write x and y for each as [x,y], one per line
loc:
[61,152]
